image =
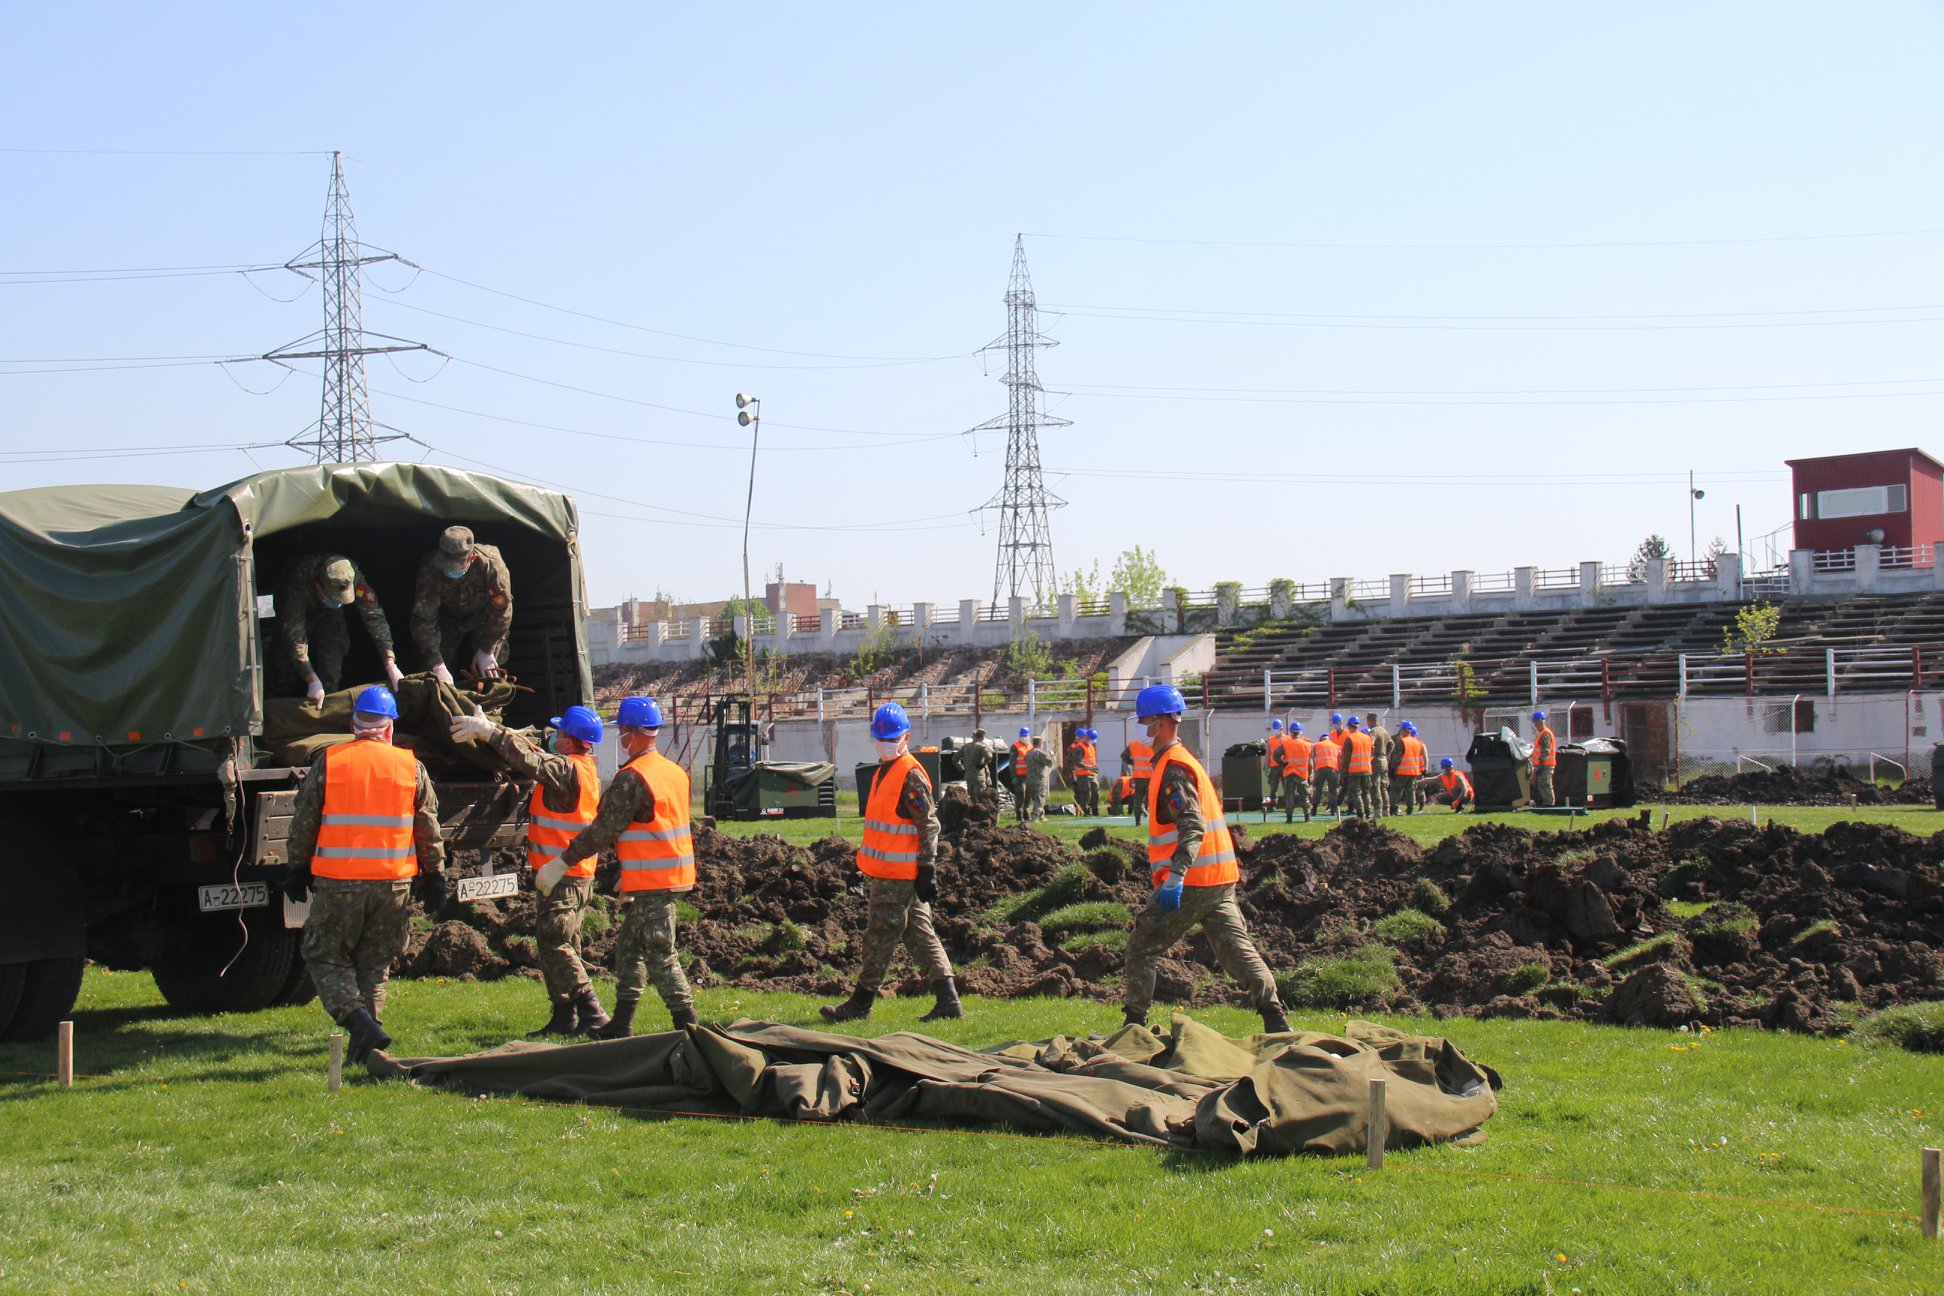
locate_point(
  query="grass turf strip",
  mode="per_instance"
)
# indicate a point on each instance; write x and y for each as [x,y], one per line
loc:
[207,1158]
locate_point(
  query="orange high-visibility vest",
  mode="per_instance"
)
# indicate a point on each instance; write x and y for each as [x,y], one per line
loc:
[1274,744]
[370,788]
[1296,756]
[1123,787]
[1411,761]
[1324,754]
[1215,861]
[1085,759]
[1545,747]
[549,831]
[1143,759]
[1360,746]
[1453,781]
[891,841]
[1020,749]
[658,854]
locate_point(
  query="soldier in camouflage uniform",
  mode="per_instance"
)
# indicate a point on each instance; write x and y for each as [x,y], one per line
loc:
[462,606]
[358,924]
[1039,774]
[975,758]
[310,625]
[1382,748]
[899,855]
[567,788]
[1191,852]
[630,812]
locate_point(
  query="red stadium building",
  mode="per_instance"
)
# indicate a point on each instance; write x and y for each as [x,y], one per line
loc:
[1893,498]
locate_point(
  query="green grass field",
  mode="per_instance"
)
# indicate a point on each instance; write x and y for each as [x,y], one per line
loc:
[203,1155]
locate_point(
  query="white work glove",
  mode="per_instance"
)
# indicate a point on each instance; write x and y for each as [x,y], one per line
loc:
[392,672]
[485,665]
[548,875]
[441,674]
[314,691]
[471,728]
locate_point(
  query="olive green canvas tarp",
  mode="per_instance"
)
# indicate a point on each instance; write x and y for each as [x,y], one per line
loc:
[746,787]
[1261,1095]
[128,613]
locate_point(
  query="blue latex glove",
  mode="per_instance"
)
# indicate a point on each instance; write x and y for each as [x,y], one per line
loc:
[1169,897]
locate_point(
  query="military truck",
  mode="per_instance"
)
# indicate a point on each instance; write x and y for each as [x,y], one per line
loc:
[142,812]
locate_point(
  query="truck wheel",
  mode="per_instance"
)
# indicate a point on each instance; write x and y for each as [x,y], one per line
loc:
[190,972]
[13,979]
[298,990]
[47,996]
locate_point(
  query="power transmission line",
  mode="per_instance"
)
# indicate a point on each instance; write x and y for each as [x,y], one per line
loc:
[1502,246]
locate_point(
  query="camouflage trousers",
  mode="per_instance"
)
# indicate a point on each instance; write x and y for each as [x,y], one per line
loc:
[1215,910]
[1295,796]
[644,950]
[975,778]
[557,935]
[1140,799]
[1274,778]
[1086,794]
[355,929]
[1380,786]
[1404,793]
[1359,794]
[1322,784]
[329,641]
[898,916]
[1542,785]
[1032,807]
[459,641]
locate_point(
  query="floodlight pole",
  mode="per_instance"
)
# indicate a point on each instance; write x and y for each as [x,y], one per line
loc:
[750,415]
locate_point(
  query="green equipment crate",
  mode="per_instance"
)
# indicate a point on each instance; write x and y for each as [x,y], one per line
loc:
[785,790]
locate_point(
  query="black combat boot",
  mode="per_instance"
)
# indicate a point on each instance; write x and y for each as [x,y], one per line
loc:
[684,1017]
[948,1005]
[1130,1017]
[619,1026]
[561,1023]
[855,1008]
[366,1034]
[589,1016]
[1274,1020]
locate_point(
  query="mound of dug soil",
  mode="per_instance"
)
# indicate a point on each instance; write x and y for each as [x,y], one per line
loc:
[1789,785]
[1770,926]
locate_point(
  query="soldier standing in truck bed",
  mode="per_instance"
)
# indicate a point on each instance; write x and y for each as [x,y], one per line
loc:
[462,607]
[310,624]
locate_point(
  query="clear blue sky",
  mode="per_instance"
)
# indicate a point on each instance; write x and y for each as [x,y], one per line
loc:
[1391,387]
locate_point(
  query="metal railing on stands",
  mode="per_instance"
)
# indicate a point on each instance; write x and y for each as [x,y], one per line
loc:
[1369,590]
[637,631]
[995,612]
[1430,586]
[1553,578]
[804,623]
[1612,574]
[1833,560]
[852,621]
[1493,583]
[1680,571]
[1768,584]
[1292,688]
[1902,556]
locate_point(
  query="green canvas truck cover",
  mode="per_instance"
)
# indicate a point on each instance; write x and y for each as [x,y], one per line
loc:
[128,613]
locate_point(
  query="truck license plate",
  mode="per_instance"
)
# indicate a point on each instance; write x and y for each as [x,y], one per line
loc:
[250,895]
[495,887]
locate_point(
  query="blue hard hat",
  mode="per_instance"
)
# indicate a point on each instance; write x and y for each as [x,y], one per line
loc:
[1295,726]
[579,722]
[1335,718]
[1406,727]
[639,713]
[1352,722]
[377,700]
[1445,763]
[1275,724]
[1159,700]
[1088,734]
[1538,715]
[1025,732]
[890,721]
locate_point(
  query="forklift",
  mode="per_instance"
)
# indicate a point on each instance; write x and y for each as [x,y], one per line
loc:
[739,785]
[737,742]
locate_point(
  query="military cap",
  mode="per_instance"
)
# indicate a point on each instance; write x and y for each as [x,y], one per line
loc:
[338,577]
[456,548]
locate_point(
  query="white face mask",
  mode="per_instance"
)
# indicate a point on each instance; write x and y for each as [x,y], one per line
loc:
[892,749]
[1154,729]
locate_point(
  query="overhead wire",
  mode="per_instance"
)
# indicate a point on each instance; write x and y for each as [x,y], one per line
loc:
[1320,245]
[1257,322]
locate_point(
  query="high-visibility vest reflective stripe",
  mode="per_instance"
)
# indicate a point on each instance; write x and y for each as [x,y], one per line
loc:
[366,830]
[1275,748]
[1453,781]
[1215,859]
[1324,755]
[658,854]
[1020,749]
[1545,747]
[891,842]
[1360,746]
[1085,760]
[1296,757]
[1411,761]
[549,831]
[1123,787]
[1143,759]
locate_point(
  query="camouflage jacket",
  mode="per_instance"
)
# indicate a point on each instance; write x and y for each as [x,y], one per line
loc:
[1381,747]
[626,800]
[558,776]
[307,812]
[1039,765]
[297,603]
[916,805]
[1178,805]
[486,589]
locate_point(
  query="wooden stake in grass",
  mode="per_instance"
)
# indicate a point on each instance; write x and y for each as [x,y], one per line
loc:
[1376,1125]
[1932,1182]
[64,1054]
[337,1063]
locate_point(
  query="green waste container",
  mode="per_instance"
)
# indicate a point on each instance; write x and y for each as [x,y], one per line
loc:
[928,757]
[1245,777]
